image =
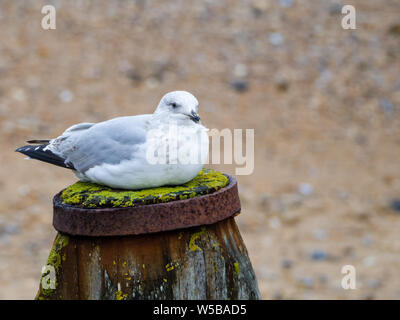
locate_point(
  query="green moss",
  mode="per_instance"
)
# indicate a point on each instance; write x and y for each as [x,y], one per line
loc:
[236,267]
[55,259]
[90,195]
[192,242]
[120,295]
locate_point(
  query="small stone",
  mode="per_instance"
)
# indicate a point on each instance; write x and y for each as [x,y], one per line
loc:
[66,96]
[369,261]
[367,240]
[282,85]
[373,283]
[11,228]
[276,39]
[335,8]
[323,278]
[395,205]
[19,94]
[286,263]
[286,3]
[24,190]
[134,76]
[240,70]
[386,106]
[259,6]
[275,223]
[5,239]
[305,189]
[307,281]
[240,85]
[395,30]
[318,255]
[320,234]
[152,82]
[348,252]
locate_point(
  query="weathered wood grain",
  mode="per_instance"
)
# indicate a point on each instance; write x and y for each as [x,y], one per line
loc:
[209,262]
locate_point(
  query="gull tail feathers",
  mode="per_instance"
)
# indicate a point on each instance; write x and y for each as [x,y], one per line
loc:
[41,153]
[38,141]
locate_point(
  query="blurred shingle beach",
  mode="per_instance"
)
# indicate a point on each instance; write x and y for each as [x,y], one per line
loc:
[324,103]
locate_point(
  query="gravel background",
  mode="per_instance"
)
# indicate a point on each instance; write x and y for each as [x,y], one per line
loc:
[324,103]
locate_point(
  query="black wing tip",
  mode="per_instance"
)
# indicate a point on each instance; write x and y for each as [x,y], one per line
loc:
[38,153]
[21,149]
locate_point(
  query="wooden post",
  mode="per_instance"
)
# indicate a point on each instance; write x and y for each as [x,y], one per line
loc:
[171,243]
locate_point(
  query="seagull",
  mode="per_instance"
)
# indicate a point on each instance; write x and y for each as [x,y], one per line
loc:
[167,147]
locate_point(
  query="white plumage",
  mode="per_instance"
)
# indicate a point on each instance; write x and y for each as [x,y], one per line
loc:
[168,147]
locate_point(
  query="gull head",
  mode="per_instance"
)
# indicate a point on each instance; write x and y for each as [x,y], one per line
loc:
[180,105]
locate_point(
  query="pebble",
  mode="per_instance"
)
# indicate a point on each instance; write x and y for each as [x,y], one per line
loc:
[275,223]
[5,239]
[395,205]
[240,70]
[318,255]
[240,85]
[367,241]
[395,30]
[307,281]
[66,96]
[24,190]
[134,76]
[275,38]
[323,278]
[282,84]
[11,228]
[19,94]
[320,234]
[335,8]
[305,189]
[259,6]
[373,283]
[286,3]
[286,263]
[369,261]
[386,106]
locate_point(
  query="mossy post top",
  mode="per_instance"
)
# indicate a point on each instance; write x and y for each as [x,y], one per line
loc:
[90,195]
[94,210]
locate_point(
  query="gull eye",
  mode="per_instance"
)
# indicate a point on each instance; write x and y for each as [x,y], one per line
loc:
[173,105]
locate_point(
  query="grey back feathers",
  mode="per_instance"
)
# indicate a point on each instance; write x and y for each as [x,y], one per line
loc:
[86,145]
[107,142]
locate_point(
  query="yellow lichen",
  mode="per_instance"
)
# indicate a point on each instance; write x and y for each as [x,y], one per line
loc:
[55,259]
[192,243]
[90,195]
[171,266]
[236,267]
[120,295]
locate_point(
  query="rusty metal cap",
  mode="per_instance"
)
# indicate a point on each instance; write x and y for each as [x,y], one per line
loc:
[150,218]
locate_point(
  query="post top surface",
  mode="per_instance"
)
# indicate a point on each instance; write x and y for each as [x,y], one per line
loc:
[90,195]
[200,209]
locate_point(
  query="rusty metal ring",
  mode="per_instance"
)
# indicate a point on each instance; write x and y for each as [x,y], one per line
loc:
[179,214]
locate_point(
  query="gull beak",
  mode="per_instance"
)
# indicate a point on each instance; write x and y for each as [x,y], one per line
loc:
[194,117]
